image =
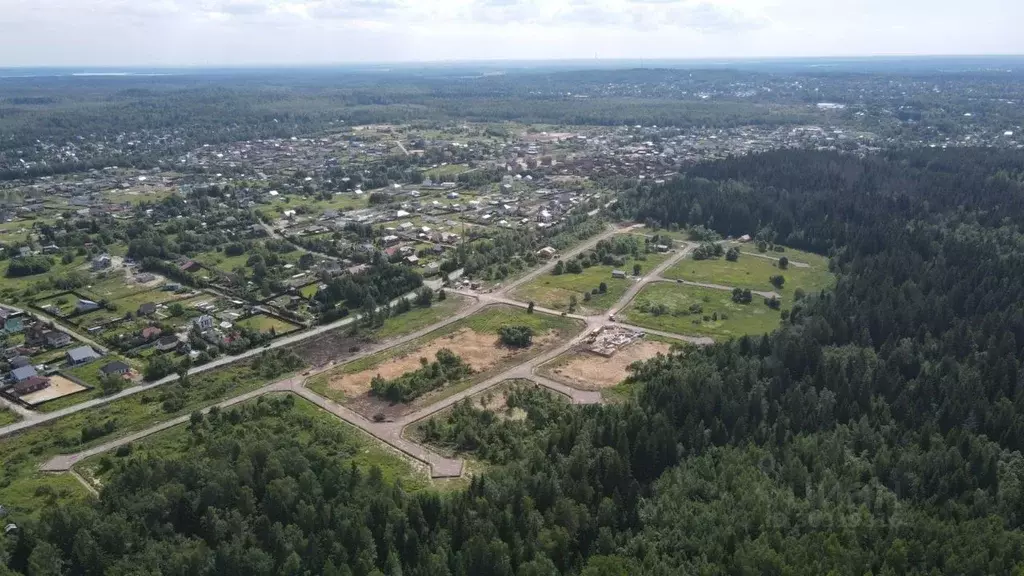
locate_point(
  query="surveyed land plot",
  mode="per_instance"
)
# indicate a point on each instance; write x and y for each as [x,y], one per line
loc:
[474,339]
[807,272]
[693,310]
[554,291]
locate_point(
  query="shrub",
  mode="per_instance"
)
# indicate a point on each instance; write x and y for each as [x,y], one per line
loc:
[516,336]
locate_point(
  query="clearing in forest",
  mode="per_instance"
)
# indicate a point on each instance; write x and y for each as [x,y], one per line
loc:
[693,310]
[481,351]
[588,371]
[808,272]
[474,339]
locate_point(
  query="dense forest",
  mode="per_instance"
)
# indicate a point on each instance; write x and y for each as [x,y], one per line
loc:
[878,431]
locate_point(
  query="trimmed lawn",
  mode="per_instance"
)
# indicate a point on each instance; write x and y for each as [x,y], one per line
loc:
[550,291]
[753,272]
[288,417]
[263,323]
[26,491]
[754,318]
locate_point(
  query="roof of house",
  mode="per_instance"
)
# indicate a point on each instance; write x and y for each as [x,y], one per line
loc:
[30,385]
[150,331]
[23,373]
[147,307]
[82,353]
[115,367]
[19,361]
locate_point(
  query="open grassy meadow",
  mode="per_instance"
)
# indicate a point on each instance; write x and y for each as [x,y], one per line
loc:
[264,324]
[551,291]
[419,318]
[753,271]
[718,317]
[8,417]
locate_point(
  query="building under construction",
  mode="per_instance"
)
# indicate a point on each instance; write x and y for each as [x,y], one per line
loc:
[608,340]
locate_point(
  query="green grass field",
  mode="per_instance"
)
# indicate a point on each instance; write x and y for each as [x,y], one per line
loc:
[303,422]
[25,491]
[550,291]
[310,290]
[446,170]
[90,373]
[263,323]
[753,272]
[419,318]
[113,287]
[753,318]
[58,269]
[487,321]
[8,417]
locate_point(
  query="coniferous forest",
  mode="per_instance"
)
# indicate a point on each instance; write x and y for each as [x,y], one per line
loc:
[879,431]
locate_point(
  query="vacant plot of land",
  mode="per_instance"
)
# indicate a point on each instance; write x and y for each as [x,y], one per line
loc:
[59,387]
[419,318]
[588,371]
[8,417]
[551,291]
[754,271]
[264,324]
[113,286]
[446,170]
[718,316]
[475,339]
[481,351]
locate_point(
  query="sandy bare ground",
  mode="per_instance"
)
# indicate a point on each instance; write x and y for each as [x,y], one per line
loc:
[588,371]
[481,351]
[58,388]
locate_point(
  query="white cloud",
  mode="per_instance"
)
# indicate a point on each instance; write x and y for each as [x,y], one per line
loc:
[168,32]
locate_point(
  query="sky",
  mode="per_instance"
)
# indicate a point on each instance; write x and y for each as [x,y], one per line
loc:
[275,32]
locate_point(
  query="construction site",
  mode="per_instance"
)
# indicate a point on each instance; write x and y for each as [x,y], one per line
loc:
[607,340]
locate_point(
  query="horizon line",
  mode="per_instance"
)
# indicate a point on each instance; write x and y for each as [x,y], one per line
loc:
[498,61]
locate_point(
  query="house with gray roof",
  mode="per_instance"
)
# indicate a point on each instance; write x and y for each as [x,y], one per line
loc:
[81,355]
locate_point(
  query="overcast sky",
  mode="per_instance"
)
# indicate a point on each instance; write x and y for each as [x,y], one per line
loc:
[226,32]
